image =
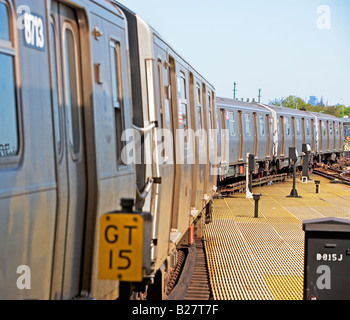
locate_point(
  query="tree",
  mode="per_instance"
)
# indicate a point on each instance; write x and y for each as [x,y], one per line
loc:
[295,102]
[334,111]
[277,102]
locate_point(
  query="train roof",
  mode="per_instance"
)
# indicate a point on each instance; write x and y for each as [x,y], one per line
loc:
[238,103]
[284,110]
[325,116]
[302,113]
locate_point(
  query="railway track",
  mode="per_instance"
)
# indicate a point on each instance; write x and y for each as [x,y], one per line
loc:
[240,186]
[193,281]
[199,288]
[338,173]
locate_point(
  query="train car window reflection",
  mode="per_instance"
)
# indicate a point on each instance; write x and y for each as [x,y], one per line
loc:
[183,96]
[114,72]
[298,127]
[210,106]
[199,101]
[72,90]
[199,107]
[287,123]
[331,128]
[117,89]
[4,22]
[261,125]
[210,116]
[55,92]
[8,108]
[232,124]
[307,127]
[9,134]
[247,124]
[162,108]
[324,129]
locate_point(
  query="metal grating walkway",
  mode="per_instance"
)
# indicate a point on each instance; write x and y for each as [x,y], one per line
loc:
[263,258]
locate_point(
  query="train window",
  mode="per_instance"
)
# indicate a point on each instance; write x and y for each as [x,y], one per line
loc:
[210,115]
[161,93]
[199,99]
[117,89]
[199,106]
[9,134]
[162,108]
[211,120]
[115,77]
[331,128]
[298,127]
[307,127]
[261,125]
[287,123]
[324,129]
[232,124]
[72,89]
[183,97]
[247,124]
[8,109]
[4,22]
[54,91]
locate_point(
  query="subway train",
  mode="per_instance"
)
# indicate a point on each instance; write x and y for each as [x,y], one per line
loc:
[111,148]
[268,132]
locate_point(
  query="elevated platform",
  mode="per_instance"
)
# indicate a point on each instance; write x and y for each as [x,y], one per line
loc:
[263,258]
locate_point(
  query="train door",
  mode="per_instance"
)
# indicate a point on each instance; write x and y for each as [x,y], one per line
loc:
[268,136]
[256,135]
[241,136]
[179,82]
[71,167]
[303,130]
[166,165]
[283,135]
[223,135]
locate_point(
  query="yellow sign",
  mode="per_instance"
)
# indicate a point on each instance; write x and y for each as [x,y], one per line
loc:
[121,242]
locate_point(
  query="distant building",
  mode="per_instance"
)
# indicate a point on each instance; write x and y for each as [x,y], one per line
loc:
[321,102]
[313,101]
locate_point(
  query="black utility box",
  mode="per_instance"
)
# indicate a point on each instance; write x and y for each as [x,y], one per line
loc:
[327,259]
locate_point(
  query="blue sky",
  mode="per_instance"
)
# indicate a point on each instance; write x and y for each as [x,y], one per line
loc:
[281,46]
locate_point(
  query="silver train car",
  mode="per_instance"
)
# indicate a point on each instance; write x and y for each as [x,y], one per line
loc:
[93,101]
[175,105]
[268,132]
[60,147]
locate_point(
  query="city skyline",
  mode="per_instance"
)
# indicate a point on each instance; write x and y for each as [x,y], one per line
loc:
[289,47]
